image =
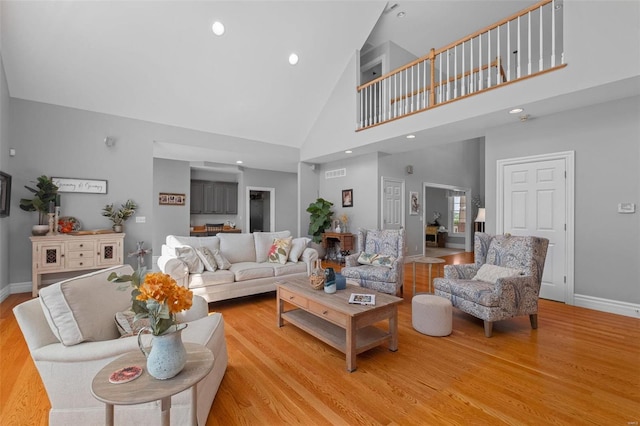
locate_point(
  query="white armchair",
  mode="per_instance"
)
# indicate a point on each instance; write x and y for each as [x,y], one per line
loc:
[68,369]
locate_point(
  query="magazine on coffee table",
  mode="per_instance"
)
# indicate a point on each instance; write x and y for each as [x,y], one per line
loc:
[362,299]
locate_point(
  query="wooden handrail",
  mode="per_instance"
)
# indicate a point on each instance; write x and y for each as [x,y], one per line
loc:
[433,52]
[496,63]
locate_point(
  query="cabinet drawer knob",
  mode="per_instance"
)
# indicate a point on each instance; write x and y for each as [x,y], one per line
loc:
[81,245]
[81,254]
[325,312]
[291,297]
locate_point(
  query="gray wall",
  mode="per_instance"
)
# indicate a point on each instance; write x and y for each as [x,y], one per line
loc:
[363,177]
[285,185]
[605,138]
[173,177]
[456,164]
[65,142]
[4,161]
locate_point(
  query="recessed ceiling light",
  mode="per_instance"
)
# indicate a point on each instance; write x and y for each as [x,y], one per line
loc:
[293,59]
[516,111]
[411,136]
[348,151]
[239,162]
[401,14]
[217,28]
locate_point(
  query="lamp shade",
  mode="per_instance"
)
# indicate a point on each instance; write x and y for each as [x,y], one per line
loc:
[480,217]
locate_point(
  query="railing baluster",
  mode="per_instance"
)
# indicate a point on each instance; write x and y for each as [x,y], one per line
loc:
[472,85]
[463,89]
[553,33]
[480,86]
[529,43]
[509,51]
[488,59]
[540,62]
[411,101]
[519,52]
[498,64]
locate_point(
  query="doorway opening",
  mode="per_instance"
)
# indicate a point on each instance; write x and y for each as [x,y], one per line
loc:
[447,208]
[261,209]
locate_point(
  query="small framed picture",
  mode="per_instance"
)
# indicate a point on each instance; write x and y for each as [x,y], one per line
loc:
[167,199]
[347,198]
[5,194]
[414,203]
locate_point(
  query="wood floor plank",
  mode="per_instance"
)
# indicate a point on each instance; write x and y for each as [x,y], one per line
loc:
[579,367]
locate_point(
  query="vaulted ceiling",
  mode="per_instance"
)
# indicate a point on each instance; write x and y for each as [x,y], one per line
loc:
[159,61]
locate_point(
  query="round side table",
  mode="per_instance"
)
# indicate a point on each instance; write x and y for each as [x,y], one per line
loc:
[428,260]
[147,388]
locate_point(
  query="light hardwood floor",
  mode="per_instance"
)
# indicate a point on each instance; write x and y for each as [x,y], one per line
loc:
[580,367]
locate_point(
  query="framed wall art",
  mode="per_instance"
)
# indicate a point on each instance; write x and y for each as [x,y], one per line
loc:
[414,203]
[347,198]
[87,186]
[5,194]
[168,199]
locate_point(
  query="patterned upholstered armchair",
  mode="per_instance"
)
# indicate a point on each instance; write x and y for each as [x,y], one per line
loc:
[385,275]
[507,289]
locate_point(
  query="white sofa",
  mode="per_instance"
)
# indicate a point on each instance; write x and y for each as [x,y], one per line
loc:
[250,271]
[71,334]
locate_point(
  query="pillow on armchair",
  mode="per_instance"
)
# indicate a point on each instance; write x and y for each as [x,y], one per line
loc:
[375,259]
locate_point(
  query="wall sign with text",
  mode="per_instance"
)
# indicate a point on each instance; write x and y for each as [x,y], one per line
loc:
[88,186]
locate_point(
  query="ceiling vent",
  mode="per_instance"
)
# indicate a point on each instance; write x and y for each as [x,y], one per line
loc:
[332,174]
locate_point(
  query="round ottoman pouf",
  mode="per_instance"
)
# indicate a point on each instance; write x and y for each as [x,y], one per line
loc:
[431,315]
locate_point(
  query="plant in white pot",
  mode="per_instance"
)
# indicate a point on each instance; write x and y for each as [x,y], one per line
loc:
[43,196]
[119,216]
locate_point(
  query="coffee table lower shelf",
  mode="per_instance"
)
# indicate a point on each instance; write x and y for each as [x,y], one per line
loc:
[366,338]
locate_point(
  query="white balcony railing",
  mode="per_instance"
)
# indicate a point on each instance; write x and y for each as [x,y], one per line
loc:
[523,45]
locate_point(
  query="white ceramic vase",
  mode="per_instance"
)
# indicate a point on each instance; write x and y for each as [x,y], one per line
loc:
[167,356]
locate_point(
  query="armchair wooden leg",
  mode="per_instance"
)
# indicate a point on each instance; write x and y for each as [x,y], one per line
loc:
[533,318]
[488,328]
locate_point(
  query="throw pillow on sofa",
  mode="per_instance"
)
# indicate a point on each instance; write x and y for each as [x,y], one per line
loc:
[279,251]
[221,261]
[263,242]
[126,324]
[298,245]
[189,256]
[207,259]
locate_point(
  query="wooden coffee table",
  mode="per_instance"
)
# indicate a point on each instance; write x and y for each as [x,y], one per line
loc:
[329,317]
[146,388]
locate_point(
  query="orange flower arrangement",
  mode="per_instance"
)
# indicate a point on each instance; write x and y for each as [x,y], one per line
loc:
[158,297]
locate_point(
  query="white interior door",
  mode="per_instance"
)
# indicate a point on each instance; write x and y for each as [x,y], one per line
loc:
[392,203]
[534,202]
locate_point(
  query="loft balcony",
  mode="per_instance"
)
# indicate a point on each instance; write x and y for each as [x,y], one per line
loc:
[523,45]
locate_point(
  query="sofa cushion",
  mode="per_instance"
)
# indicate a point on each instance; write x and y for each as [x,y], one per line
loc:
[237,247]
[211,278]
[289,268]
[492,273]
[207,258]
[244,271]
[297,248]
[189,256]
[279,251]
[82,308]
[264,241]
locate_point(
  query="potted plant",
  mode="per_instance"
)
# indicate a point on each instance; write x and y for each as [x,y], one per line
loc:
[320,219]
[119,216]
[43,196]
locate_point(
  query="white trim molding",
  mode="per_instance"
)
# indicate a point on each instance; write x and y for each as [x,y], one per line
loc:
[607,305]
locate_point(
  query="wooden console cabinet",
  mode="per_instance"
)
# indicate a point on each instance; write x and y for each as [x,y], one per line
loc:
[68,253]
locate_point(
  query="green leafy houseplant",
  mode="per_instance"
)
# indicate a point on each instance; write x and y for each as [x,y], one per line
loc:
[45,193]
[320,219]
[118,216]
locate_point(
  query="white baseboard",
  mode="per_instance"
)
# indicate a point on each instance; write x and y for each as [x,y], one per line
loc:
[15,288]
[455,246]
[607,305]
